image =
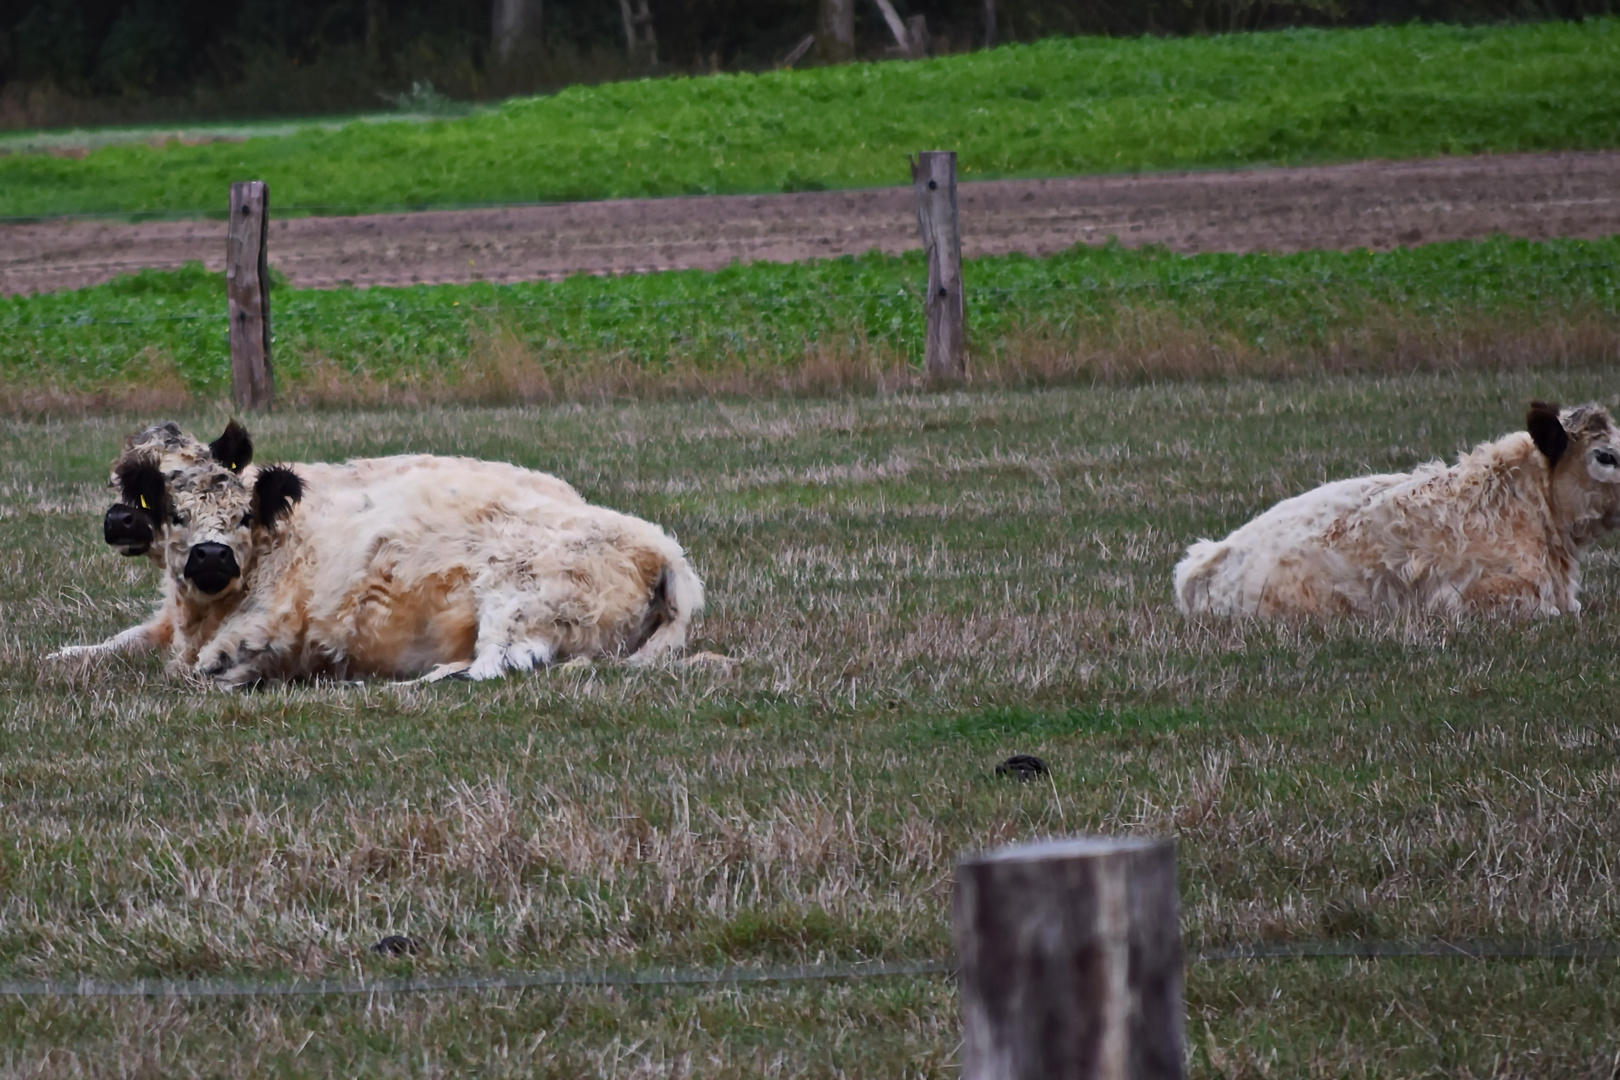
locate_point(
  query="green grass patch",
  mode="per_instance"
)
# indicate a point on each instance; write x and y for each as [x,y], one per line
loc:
[1061,106]
[1105,311]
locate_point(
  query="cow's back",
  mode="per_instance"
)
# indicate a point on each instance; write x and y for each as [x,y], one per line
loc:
[1471,535]
[1284,560]
[394,558]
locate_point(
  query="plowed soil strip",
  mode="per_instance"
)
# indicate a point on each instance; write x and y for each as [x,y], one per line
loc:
[1370,204]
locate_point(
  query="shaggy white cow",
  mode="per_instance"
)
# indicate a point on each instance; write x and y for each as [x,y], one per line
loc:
[1501,531]
[392,567]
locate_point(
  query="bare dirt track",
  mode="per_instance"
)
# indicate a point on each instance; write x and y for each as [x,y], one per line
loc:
[1370,204]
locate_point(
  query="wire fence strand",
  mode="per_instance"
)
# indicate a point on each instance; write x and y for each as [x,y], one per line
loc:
[588,979]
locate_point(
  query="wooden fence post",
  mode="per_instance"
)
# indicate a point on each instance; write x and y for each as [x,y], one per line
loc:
[1069,961]
[933,182]
[247,291]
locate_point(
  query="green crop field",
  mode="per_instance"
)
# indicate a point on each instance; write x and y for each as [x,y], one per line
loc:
[915,586]
[1090,313]
[1057,107]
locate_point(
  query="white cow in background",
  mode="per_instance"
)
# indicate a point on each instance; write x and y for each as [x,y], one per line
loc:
[1501,531]
[385,567]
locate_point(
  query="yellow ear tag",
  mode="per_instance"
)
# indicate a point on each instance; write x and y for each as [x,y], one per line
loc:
[143,503]
[233,466]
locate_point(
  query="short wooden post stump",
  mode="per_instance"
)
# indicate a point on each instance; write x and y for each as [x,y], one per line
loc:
[1069,961]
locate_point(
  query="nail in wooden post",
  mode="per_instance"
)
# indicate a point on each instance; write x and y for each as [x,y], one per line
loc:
[933,181]
[247,290]
[1070,962]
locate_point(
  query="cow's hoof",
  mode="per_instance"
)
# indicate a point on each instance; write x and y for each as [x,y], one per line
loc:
[242,682]
[217,668]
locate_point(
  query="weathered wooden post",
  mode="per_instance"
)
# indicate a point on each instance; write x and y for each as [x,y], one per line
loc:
[247,291]
[989,24]
[1069,961]
[933,182]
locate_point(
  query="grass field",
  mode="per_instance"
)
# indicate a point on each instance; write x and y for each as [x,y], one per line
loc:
[1055,108]
[1091,313]
[917,586]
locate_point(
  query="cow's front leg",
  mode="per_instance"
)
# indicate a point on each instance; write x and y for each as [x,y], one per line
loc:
[496,658]
[155,633]
[506,642]
[233,662]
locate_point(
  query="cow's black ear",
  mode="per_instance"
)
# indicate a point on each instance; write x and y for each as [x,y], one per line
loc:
[234,448]
[140,485]
[1547,430]
[274,493]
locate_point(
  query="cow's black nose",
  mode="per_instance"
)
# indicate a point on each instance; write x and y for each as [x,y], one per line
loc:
[211,567]
[127,529]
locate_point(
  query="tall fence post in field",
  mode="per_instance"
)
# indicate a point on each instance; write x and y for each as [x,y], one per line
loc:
[933,182]
[247,291]
[1069,961]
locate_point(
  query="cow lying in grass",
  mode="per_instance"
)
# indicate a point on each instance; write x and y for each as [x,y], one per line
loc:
[385,567]
[1500,532]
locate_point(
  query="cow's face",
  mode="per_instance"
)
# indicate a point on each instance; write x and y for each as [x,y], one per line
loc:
[136,522]
[1583,447]
[214,521]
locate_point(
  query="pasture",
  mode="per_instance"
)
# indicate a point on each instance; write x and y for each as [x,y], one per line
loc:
[916,585]
[1058,107]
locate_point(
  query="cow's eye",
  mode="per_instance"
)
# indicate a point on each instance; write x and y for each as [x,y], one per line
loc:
[247,520]
[174,519]
[1606,458]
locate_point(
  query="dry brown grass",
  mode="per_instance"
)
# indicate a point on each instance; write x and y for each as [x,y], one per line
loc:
[500,368]
[149,384]
[1116,346]
[1121,346]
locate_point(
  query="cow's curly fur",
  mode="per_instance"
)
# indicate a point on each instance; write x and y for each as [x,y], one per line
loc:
[399,567]
[1499,532]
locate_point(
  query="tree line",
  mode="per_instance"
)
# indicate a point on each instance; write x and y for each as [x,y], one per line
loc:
[272,56]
